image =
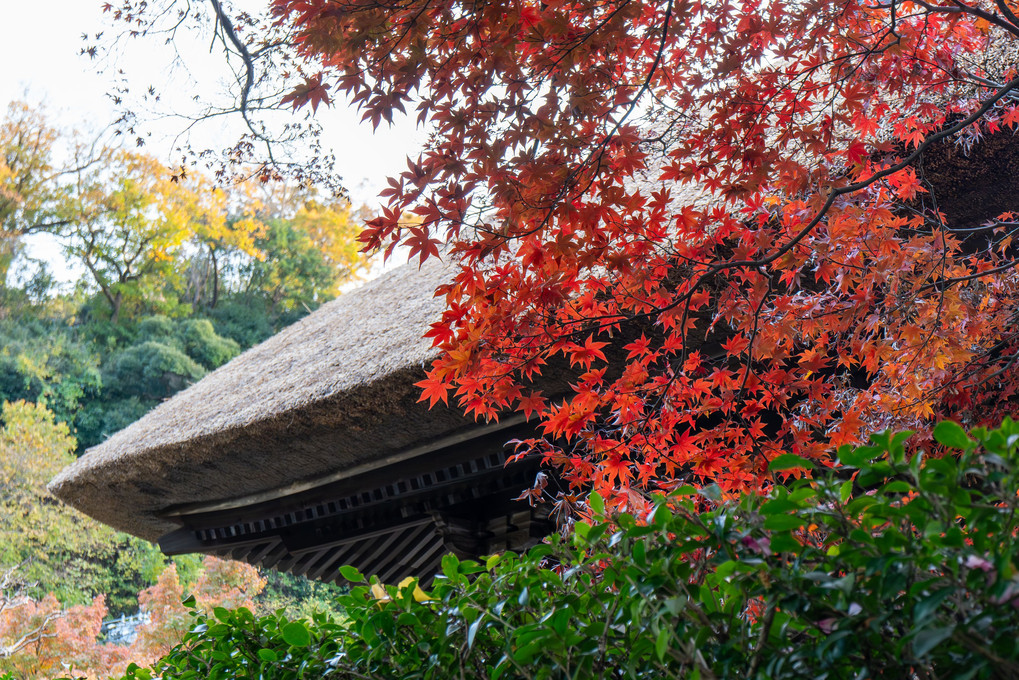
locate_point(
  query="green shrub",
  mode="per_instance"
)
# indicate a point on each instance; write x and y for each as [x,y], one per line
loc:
[151,370]
[155,328]
[889,566]
[202,344]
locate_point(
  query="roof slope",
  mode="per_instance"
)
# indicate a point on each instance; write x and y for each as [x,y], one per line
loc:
[334,390]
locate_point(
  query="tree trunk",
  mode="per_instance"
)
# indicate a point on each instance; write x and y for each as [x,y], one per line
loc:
[115,302]
[215,278]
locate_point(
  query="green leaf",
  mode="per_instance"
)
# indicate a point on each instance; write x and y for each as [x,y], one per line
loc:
[789,461]
[783,522]
[351,574]
[927,606]
[857,457]
[296,635]
[662,643]
[896,448]
[472,631]
[779,506]
[929,638]
[268,655]
[597,504]
[726,569]
[846,490]
[450,565]
[952,435]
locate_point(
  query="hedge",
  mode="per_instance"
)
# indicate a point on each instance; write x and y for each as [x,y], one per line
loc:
[886,566]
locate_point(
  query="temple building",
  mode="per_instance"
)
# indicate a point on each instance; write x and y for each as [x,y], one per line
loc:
[311,451]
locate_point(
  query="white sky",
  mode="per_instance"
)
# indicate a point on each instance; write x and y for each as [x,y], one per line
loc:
[39,48]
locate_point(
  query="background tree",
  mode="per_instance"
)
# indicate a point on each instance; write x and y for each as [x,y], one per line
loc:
[42,361]
[224,225]
[126,219]
[163,357]
[28,191]
[220,583]
[60,551]
[41,638]
[72,371]
[332,230]
[12,597]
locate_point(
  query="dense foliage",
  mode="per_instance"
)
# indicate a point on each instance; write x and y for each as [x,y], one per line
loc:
[166,278]
[172,276]
[894,566]
[44,638]
[745,192]
[723,218]
[59,551]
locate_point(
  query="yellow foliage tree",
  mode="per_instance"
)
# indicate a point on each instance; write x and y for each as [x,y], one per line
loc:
[129,220]
[56,543]
[28,189]
[333,229]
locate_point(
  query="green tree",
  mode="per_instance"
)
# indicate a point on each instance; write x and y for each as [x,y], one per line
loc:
[58,546]
[201,342]
[294,274]
[150,361]
[42,361]
[151,370]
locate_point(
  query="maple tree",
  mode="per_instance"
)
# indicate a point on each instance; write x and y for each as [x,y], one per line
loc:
[731,188]
[221,583]
[715,213]
[40,638]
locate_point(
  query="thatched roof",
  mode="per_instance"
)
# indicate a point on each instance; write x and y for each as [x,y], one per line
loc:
[331,392]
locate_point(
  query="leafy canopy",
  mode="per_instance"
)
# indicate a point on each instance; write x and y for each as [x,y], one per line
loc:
[728,197]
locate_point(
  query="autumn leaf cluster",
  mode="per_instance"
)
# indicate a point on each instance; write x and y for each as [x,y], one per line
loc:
[694,235]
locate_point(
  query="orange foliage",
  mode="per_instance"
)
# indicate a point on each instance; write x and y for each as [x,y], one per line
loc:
[734,189]
[66,642]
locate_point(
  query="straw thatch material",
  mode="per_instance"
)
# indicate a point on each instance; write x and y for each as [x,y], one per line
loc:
[332,391]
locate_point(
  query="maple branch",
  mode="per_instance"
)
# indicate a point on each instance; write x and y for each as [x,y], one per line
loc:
[852,188]
[963,8]
[599,150]
[1007,11]
[753,334]
[945,283]
[227,27]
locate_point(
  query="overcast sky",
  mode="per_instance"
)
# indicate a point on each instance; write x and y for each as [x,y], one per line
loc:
[39,49]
